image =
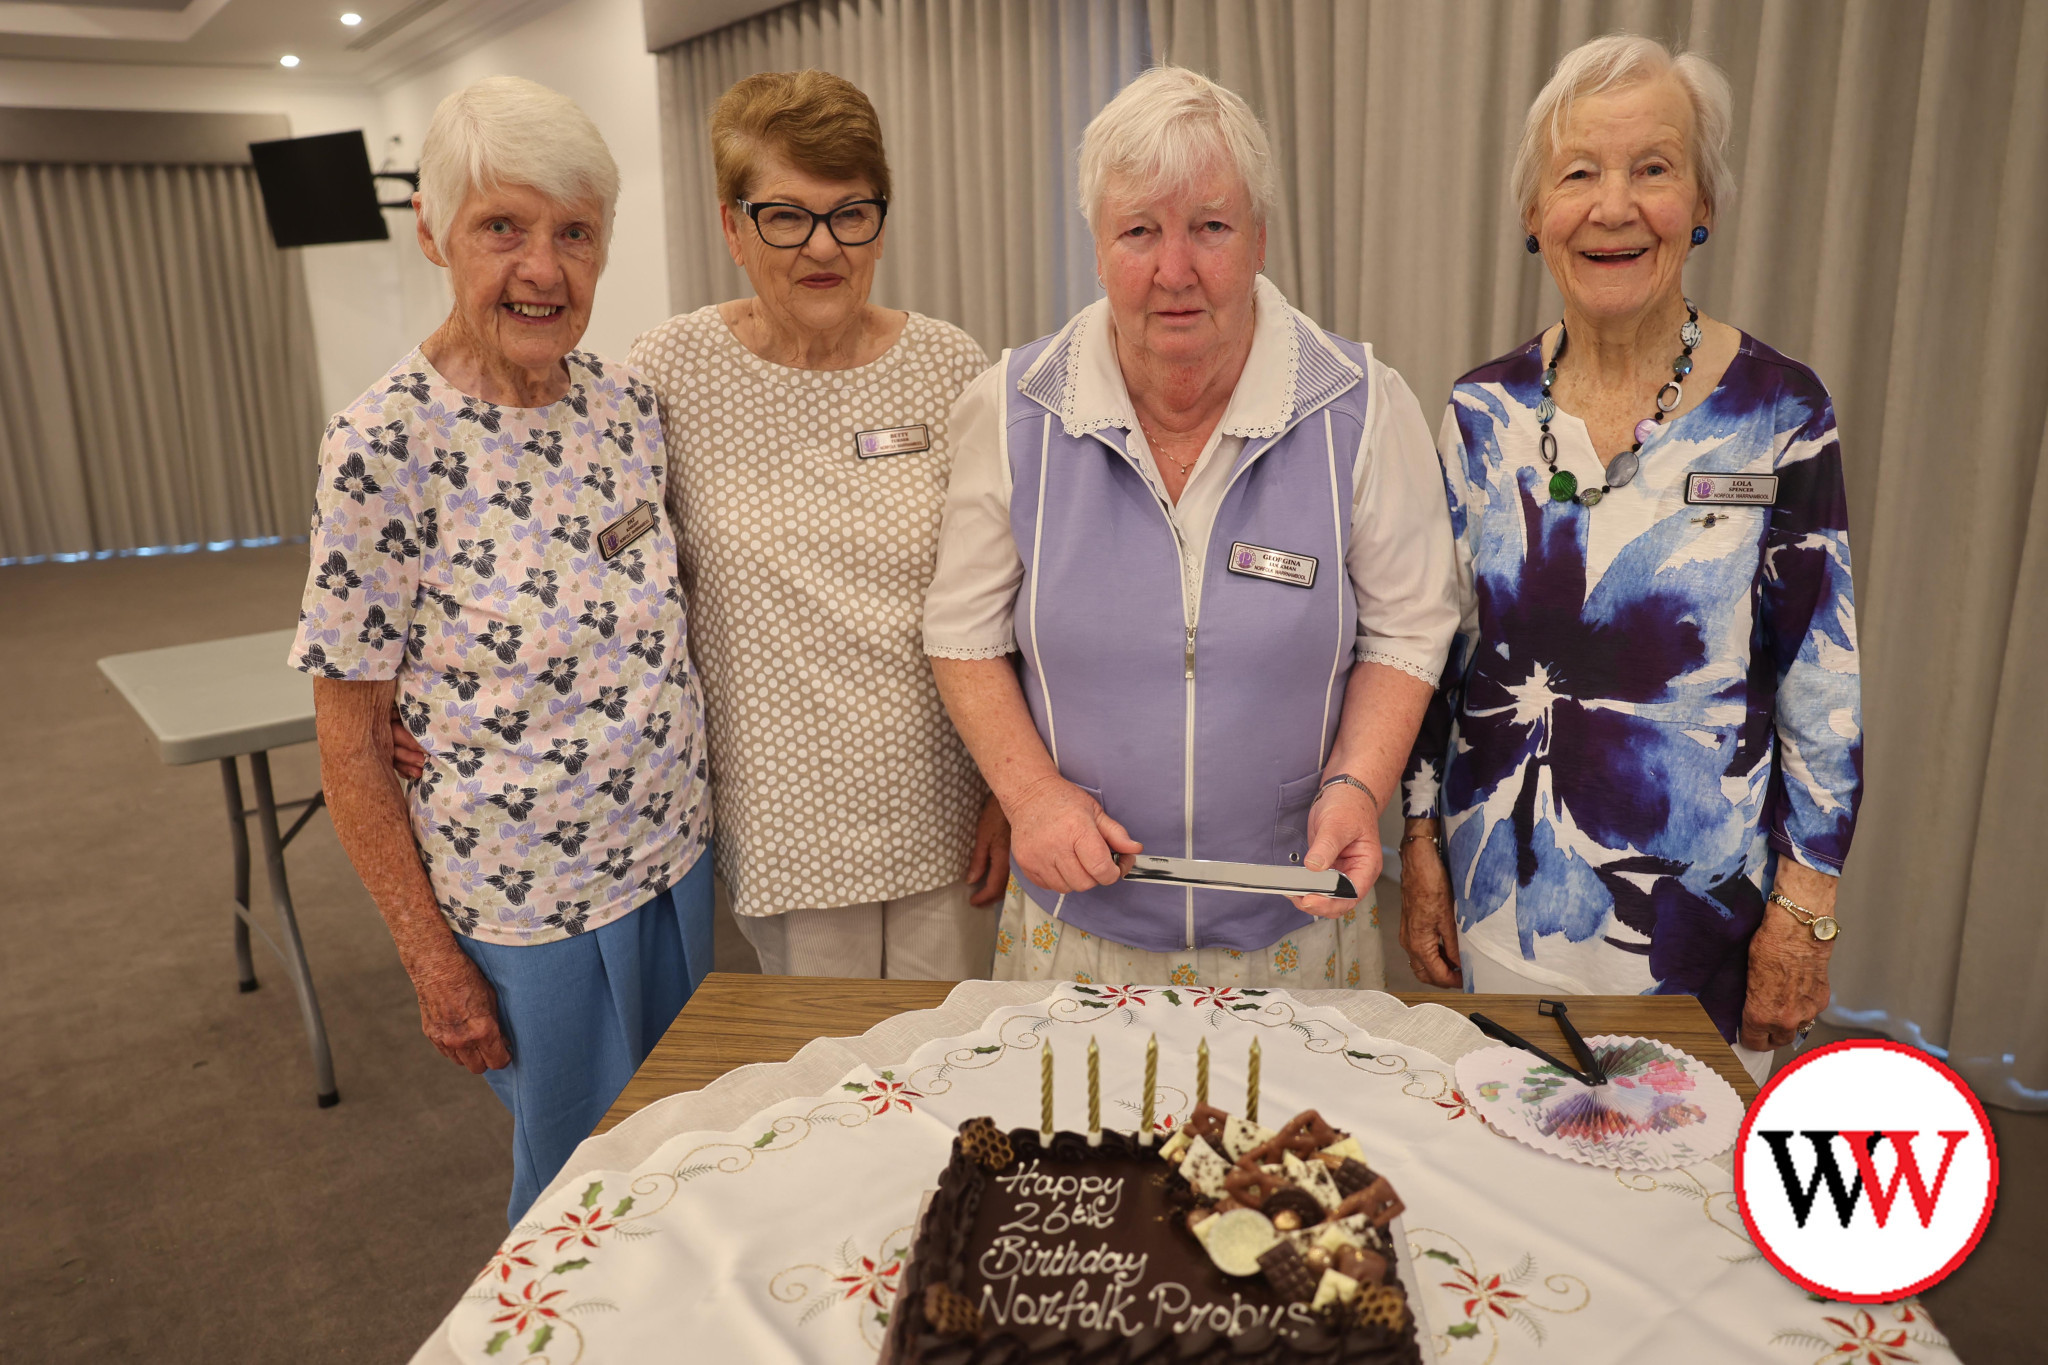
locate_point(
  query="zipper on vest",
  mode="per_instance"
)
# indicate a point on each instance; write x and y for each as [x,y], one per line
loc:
[1191,653]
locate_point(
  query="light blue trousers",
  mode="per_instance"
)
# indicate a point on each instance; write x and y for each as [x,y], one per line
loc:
[580,1014]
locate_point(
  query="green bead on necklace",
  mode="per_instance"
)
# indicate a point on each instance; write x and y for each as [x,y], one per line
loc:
[1622,469]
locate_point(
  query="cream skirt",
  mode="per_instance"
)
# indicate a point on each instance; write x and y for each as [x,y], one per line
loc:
[1329,953]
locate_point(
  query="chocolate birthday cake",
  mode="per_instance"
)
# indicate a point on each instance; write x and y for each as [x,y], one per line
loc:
[1227,1241]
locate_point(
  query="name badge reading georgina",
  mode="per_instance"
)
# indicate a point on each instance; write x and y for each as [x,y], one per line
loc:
[625,530]
[1738,490]
[1256,561]
[870,445]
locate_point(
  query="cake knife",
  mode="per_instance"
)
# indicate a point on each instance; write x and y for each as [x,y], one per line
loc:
[1264,879]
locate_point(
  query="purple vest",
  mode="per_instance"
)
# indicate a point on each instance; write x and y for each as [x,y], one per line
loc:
[1204,747]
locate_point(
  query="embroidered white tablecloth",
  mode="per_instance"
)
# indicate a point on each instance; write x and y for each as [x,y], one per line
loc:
[766,1217]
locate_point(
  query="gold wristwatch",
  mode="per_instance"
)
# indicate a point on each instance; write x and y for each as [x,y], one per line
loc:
[1823,926]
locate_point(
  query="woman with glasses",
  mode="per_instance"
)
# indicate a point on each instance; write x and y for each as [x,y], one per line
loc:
[809,467]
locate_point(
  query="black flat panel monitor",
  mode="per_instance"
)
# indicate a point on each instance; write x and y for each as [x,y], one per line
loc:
[318,189]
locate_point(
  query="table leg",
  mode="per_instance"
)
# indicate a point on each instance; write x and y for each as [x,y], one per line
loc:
[288,923]
[238,826]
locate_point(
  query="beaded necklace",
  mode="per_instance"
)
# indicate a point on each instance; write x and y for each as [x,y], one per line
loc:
[1622,469]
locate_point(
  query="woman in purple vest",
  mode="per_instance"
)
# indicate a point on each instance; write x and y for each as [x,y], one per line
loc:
[1216,535]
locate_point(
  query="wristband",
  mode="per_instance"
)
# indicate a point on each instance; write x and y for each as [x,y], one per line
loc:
[1347,780]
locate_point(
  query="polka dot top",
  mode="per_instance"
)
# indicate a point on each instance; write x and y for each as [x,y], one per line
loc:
[837,778]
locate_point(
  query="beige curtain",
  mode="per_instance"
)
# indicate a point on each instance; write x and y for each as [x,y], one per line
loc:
[156,362]
[1892,162]
[982,104]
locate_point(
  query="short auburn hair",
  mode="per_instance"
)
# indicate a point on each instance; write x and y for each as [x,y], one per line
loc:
[821,123]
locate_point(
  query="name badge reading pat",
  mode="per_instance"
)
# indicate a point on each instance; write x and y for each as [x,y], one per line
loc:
[1256,561]
[1731,490]
[625,530]
[871,445]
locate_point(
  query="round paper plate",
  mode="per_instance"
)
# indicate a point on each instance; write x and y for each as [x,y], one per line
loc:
[1660,1107]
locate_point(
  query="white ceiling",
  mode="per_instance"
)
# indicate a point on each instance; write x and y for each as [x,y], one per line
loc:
[394,37]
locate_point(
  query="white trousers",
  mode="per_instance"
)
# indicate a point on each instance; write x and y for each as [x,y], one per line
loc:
[932,936]
[1491,978]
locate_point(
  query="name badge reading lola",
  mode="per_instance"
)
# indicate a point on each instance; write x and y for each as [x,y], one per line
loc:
[1256,561]
[871,445]
[1737,490]
[625,530]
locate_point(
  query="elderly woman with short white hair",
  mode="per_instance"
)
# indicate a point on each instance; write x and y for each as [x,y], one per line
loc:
[1644,765]
[1216,534]
[489,551]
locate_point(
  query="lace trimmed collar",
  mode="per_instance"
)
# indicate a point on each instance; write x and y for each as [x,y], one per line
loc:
[1292,370]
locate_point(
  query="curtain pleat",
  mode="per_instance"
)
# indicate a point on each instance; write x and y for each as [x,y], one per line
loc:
[1892,164]
[982,105]
[156,362]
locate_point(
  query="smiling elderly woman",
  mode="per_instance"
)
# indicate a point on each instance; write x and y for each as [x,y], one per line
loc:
[1646,756]
[1217,535]
[489,550]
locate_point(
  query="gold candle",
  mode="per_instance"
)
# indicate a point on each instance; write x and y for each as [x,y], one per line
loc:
[1045,1090]
[1202,1073]
[1251,1087]
[1151,1084]
[1094,1094]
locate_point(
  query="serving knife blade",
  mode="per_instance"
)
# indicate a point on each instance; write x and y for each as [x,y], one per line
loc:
[1265,879]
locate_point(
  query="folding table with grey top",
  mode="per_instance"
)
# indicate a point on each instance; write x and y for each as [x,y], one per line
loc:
[220,700]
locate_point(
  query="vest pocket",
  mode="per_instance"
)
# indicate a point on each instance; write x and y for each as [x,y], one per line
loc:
[1290,826]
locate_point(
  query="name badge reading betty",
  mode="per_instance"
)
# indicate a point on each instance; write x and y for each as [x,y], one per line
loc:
[1256,561]
[625,530]
[1739,490]
[872,445]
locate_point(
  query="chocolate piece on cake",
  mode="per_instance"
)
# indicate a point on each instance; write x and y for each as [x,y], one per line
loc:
[1288,1272]
[950,1314]
[986,1144]
[1376,1201]
[1352,1175]
[1291,1202]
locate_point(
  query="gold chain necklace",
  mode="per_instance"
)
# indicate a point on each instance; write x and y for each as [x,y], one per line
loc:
[1184,466]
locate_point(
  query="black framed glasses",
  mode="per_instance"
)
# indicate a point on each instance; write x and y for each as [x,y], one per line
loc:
[791,225]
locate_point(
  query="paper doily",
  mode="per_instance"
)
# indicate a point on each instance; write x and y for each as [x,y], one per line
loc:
[1660,1107]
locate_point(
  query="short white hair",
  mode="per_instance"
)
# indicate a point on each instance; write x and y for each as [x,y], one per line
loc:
[1615,62]
[1166,128]
[507,131]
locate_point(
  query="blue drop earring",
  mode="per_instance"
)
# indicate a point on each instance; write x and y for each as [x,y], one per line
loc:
[1699,235]
[1533,245]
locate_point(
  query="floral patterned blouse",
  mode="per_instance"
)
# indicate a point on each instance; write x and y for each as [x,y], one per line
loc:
[463,549]
[1651,700]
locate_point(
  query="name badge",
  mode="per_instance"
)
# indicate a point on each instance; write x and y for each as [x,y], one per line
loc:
[1742,490]
[871,445]
[625,530]
[1256,561]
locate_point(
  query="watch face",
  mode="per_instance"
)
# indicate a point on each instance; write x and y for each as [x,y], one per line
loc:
[1825,928]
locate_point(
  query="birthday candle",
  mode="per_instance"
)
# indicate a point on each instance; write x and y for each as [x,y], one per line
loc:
[1202,1073]
[1045,1091]
[1251,1087]
[1094,1094]
[1151,1083]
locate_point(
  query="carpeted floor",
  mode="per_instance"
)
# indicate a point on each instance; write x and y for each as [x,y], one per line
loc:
[168,1191]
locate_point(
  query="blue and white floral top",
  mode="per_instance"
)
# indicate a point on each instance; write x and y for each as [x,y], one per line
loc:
[1649,701]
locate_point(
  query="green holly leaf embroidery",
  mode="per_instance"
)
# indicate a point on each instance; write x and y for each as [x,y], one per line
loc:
[1087,990]
[992,1047]
[1255,992]
[1246,1006]
[881,1317]
[1463,1329]
[1175,998]
[590,1195]
[1094,1004]
[624,1204]
[855,1086]
[1364,1056]
[765,1138]
[541,1338]
[899,1253]
[497,1343]
[1443,1256]
[576,1264]
[888,1075]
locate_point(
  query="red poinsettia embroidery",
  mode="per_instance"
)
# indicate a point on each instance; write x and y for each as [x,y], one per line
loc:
[1865,1344]
[527,1307]
[878,1282]
[1115,996]
[1455,1104]
[885,1095]
[1221,996]
[1487,1293]
[508,1259]
[580,1228]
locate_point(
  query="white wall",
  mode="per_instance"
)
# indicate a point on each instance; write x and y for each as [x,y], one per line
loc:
[353,287]
[591,51]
